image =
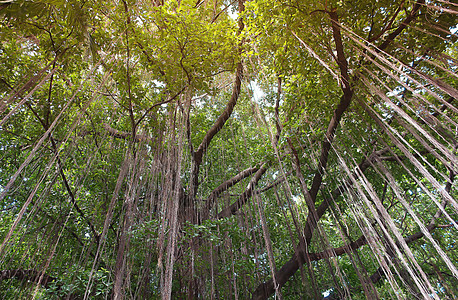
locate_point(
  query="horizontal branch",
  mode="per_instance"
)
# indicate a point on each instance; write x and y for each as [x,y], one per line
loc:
[378,274]
[361,241]
[430,227]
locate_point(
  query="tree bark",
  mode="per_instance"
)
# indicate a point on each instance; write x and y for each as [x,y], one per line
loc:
[264,290]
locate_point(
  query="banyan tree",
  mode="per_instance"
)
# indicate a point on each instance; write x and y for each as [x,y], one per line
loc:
[217,149]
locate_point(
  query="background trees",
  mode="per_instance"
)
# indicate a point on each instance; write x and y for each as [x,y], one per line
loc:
[221,149]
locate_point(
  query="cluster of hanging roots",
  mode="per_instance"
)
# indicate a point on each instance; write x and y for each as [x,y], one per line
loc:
[156,229]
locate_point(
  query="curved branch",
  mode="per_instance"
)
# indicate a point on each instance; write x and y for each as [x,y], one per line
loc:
[159,103]
[219,123]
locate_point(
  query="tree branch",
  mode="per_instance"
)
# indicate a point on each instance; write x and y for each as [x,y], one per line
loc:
[341,108]
[361,241]
[350,247]
[124,135]
[227,184]
[290,267]
[232,209]
[159,103]
[300,255]
[403,25]
[219,123]
[61,171]
[430,227]
[264,290]
[388,26]
[272,185]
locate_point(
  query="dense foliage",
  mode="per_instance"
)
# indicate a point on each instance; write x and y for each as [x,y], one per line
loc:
[221,149]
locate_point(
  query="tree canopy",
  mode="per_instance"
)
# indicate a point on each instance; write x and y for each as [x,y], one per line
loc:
[219,149]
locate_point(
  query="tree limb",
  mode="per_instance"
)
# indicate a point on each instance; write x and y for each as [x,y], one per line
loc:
[300,255]
[232,209]
[272,185]
[159,103]
[219,123]
[430,227]
[227,184]
[29,275]
[338,251]
[264,290]
[344,103]
[388,26]
[124,135]
[62,173]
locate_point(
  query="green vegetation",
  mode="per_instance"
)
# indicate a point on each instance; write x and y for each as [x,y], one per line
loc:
[219,149]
